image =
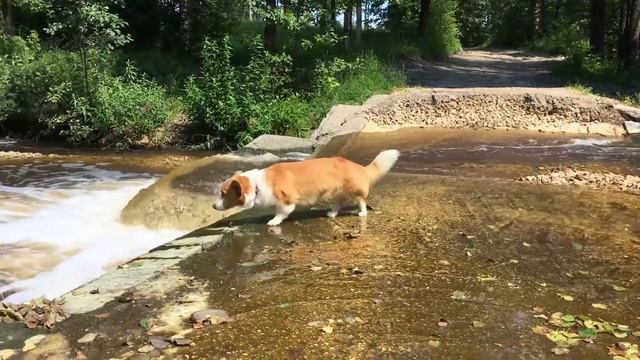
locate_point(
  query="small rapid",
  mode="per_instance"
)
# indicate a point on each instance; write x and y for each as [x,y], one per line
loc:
[60,226]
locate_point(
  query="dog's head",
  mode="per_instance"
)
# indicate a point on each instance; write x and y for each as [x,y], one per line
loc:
[235,191]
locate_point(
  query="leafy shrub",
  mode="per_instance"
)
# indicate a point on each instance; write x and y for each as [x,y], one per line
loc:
[231,104]
[52,98]
[443,35]
[130,108]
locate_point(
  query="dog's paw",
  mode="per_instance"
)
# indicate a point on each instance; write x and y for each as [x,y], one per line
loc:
[362,214]
[332,214]
[275,222]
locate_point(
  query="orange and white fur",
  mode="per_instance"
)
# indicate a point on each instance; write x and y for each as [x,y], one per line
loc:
[286,185]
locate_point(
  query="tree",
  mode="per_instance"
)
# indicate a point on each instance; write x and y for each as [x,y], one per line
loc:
[86,25]
[270,27]
[629,32]
[358,22]
[536,16]
[7,17]
[423,16]
[597,26]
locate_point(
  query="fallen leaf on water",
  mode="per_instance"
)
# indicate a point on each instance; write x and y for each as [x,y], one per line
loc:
[619,334]
[284,305]
[316,268]
[458,295]
[443,323]
[619,288]
[31,342]
[102,316]
[314,323]
[327,329]
[560,351]
[487,278]
[378,267]
[538,309]
[599,306]
[541,316]
[636,333]
[377,301]
[146,349]
[478,324]
[7,353]
[566,297]
[145,323]
[587,333]
[87,338]
[526,244]
[541,330]
[434,343]
[624,350]
[444,262]
[80,355]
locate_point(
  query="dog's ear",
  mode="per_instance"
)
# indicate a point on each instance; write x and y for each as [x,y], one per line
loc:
[237,173]
[241,185]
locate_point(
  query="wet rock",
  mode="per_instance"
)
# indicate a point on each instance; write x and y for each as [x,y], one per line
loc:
[210,316]
[586,178]
[87,338]
[158,342]
[181,342]
[146,349]
[281,144]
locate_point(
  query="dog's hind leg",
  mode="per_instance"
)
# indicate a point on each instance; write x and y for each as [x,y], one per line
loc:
[282,211]
[334,209]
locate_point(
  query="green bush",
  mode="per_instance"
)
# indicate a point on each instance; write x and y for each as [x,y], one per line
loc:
[443,35]
[231,104]
[51,98]
[7,100]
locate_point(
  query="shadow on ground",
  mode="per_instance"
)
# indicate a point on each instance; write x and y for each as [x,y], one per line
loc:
[485,68]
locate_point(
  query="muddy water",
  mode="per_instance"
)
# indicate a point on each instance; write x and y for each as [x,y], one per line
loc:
[59,216]
[384,285]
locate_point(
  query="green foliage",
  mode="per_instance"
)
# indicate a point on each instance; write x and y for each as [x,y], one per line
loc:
[47,97]
[232,104]
[443,35]
[86,24]
[228,102]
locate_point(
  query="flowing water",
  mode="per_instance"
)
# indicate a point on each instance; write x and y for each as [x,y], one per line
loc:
[60,216]
[60,219]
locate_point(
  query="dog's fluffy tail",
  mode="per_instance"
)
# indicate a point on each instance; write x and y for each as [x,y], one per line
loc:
[381,165]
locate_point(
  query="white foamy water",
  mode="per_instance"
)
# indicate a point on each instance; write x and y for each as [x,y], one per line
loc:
[73,209]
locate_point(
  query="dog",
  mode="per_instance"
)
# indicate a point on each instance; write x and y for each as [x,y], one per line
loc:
[289,184]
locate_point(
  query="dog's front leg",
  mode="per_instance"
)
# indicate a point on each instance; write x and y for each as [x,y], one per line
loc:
[282,211]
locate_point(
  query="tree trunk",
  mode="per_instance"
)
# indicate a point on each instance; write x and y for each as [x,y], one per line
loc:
[7,11]
[358,22]
[629,37]
[270,29]
[332,12]
[250,6]
[422,18]
[347,25]
[366,14]
[187,13]
[536,16]
[597,26]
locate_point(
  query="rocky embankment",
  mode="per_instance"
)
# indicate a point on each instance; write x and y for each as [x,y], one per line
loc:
[591,179]
[546,110]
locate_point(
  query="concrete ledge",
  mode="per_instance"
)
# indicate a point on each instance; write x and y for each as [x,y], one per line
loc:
[281,144]
[113,284]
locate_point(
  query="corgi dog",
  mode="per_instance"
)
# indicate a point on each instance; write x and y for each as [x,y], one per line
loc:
[289,184]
